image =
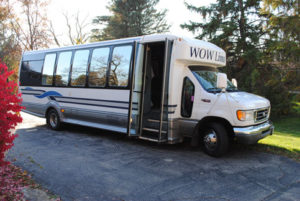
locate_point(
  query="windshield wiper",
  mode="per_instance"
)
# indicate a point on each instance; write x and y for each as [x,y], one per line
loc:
[214,89]
[231,89]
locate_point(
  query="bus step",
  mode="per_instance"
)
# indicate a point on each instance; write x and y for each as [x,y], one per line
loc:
[156,121]
[154,130]
[152,139]
[153,124]
[153,135]
[149,139]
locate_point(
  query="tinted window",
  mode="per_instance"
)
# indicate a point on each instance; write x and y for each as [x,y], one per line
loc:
[63,68]
[48,69]
[120,64]
[187,99]
[31,73]
[99,61]
[79,67]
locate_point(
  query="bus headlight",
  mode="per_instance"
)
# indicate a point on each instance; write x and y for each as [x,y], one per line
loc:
[245,115]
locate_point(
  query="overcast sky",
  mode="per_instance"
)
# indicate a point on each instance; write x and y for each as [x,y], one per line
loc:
[177,12]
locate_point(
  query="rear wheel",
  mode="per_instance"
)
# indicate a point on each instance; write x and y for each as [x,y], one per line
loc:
[53,120]
[214,139]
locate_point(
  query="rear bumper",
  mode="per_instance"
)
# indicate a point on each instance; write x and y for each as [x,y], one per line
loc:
[251,134]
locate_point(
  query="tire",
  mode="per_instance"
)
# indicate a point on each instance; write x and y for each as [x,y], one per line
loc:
[53,120]
[214,139]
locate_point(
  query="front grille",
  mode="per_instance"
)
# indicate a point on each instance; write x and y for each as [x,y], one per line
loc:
[262,114]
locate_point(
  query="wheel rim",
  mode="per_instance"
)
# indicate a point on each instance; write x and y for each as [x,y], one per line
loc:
[210,140]
[53,120]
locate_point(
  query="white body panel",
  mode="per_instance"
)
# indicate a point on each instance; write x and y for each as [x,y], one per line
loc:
[82,106]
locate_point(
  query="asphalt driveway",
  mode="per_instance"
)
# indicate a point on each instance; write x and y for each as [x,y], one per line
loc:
[80,163]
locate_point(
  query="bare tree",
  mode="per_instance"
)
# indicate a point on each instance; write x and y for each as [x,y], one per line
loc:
[31,27]
[77,29]
[53,34]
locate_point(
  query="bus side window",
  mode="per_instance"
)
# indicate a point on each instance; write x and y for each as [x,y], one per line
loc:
[187,98]
[31,73]
[79,68]
[63,68]
[98,68]
[48,69]
[119,69]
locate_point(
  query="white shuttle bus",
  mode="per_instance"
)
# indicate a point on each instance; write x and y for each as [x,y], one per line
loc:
[161,88]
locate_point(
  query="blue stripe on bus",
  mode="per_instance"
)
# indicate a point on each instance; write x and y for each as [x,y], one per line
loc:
[31,89]
[49,93]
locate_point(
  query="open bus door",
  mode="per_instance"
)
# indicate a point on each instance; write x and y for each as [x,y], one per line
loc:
[136,91]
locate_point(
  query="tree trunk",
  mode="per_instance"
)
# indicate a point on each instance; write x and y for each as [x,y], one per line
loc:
[242,22]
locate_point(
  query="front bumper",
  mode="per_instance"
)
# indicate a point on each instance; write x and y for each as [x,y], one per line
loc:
[251,134]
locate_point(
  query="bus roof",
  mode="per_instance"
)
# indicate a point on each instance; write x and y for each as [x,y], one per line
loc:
[193,49]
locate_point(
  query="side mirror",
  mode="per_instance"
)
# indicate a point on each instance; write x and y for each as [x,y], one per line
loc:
[222,81]
[234,82]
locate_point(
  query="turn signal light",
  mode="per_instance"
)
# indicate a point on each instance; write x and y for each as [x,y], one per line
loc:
[245,115]
[241,115]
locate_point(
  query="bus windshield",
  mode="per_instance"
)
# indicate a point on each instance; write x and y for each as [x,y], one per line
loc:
[207,77]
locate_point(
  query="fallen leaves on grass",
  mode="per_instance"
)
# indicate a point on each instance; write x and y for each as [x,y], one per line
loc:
[12,181]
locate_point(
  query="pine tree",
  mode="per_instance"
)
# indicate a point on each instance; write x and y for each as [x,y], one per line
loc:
[282,47]
[130,18]
[252,37]
[233,25]
[227,24]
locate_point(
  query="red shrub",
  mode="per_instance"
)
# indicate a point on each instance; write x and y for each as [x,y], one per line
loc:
[10,108]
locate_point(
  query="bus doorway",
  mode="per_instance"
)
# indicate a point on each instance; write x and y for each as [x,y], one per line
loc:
[153,91]
[148,109]
[154,78]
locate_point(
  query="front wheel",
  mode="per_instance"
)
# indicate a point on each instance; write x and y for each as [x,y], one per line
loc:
[53,120]
[214,139]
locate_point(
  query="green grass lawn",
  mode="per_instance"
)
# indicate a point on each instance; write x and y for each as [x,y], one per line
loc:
[285,139]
